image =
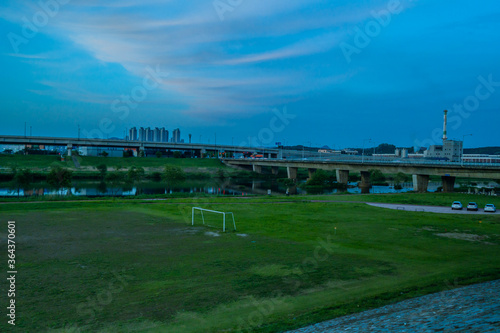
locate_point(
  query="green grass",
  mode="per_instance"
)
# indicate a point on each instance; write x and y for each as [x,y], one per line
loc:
[39,162]
[34,162]
[150,162]
[178,278]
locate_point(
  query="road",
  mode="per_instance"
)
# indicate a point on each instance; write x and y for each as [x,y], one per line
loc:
[430,209]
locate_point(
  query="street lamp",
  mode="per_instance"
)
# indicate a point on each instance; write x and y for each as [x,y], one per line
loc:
[463,139]
[363,153]
[215,143]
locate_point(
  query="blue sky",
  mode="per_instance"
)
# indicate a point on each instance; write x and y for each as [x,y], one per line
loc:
[255,72]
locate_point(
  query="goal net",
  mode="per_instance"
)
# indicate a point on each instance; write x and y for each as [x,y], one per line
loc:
[210,219]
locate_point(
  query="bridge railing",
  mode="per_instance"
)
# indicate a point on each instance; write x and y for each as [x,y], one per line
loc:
[299,156]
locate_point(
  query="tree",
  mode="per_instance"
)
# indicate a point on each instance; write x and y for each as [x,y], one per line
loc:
[177,154]
[158,154]
[22,180]
[135,174]
[114,179]
[103,168]
[376,176]
[128,153]
[173,174]
[320,178]
[401,178]
[59,178]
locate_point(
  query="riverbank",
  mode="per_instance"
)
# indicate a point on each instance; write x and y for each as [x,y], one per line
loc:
[290,263]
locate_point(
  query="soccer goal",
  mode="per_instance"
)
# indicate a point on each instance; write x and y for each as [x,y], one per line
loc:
[212,211]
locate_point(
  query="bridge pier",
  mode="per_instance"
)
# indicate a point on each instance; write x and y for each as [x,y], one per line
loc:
[292,172]
[420,183]
[257,168]
[365,184]
[70,149]
[448,184]
[311,172]
[342,176]
[275,170]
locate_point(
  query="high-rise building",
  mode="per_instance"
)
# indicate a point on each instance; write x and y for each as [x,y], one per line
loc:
[132,134]
[149,134]
[142,134]
[157,135]
[176,136]
[163,135]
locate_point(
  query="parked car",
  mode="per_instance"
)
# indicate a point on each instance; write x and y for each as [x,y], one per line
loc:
[490,208]
[472,206]
[456,205]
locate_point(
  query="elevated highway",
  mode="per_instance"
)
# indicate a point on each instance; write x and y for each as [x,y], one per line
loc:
[421,170]
[71,143]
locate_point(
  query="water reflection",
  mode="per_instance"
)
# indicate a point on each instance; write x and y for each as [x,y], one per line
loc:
[227,187]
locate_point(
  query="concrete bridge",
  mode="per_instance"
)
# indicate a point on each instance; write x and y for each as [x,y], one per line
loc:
[71,143]
[421,170]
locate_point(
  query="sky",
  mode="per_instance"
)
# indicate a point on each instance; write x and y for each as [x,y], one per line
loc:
[299,72]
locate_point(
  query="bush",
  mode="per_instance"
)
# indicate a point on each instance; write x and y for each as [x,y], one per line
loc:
[173,174]
[376,176]
[103,168]
[321,178]
[59,178]
[135,174]
[128,153]
[156,176]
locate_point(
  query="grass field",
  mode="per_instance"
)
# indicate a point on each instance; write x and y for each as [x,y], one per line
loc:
[40,162]
[118,266]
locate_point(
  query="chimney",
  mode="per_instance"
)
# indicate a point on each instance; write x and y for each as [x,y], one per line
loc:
[445,125]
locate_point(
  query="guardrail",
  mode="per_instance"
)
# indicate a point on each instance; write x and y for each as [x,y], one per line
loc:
[365,160]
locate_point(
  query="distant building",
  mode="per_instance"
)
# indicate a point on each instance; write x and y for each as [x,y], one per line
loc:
[176,136]
[97,151]
[149,134]
[163,135]
[157,135]
[142,134]
[132,134]
[481,158]
[450,150]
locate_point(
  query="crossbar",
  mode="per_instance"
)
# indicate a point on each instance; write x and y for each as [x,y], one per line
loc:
[213,211]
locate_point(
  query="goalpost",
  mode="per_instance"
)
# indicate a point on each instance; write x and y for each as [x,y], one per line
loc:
[212,211]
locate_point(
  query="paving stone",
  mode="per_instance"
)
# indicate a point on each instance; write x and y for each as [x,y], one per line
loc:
[473,308]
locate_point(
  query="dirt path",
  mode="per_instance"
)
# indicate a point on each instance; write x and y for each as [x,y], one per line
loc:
[473,308]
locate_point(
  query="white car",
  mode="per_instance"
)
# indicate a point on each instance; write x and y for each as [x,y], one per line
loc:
[490,208]
[456,205]
[472,206]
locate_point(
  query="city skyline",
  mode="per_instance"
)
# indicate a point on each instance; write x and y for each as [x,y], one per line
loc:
[307,73]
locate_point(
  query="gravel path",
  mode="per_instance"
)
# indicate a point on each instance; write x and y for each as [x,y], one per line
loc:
[469,309]
[429,209]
